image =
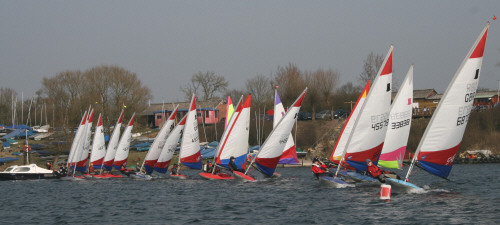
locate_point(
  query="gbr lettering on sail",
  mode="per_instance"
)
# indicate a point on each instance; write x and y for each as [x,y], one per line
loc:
[464,111]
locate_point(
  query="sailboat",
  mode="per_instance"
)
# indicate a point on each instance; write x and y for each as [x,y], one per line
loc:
[76,140]
[109,157]
[398,130]
[113,145]
[122,151]
[368,131]
[157,146]
[442,137]
[169,147]
[98,147]
[77,148]
[234,142]
[83,155]
[190,154]
[340,145]
[289,155]
[270,153]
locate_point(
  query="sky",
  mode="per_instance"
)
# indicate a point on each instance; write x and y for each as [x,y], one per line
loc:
[166,42]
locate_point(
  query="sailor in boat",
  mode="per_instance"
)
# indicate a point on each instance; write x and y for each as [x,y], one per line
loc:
[137,167]
[62,171]
[208,167]
[378,173]
[232,165]
[173,171]
[319,168]
[49,166]
[91,168]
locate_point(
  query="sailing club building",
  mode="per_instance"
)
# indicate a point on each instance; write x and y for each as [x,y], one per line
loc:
[208,112]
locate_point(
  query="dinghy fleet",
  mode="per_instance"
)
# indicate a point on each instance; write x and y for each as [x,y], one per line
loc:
[377,130]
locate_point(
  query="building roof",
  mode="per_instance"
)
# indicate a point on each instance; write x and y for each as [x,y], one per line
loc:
[424,93]
[435,97]
[486,94]
[157,107]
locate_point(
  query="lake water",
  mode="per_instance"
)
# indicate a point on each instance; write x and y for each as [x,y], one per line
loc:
[471,197]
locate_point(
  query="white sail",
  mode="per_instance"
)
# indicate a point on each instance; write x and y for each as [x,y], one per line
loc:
[339,148]
[369,129]
[441,140]
[113,144]
[190,154]
[233,116]
[76,139]
[289,155]
[98,146]
[169,147]
[270,153]
[124,145]
[157,146]
[398,130]
[234,142]
[85,147]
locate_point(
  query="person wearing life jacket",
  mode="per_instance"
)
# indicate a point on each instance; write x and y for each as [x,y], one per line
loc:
[173,171]
[378,173]
[232,165]
[49,166]
[91,168]
[318,168]
[209,166]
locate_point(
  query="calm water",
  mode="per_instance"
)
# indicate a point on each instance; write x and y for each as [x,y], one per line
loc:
[473,196]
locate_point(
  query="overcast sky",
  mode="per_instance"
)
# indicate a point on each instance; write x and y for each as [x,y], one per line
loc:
[166,42]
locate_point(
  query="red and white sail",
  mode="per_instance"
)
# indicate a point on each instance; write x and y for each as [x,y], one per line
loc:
[157,146]
[122,151]
[339,148]
[229,123]
[398,129]
[369,129]
[190,154]
[272,149]
[113,144]
[289,155]
[169,147]
[83,155]
[76,141]
[234,141]
[98,146]
[442,138]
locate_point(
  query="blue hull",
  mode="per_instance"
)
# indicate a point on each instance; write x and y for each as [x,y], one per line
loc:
[336,182]
[402,185]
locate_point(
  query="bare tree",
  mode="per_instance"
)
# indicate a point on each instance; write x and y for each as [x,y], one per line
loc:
[106,88]
[290,81]
[235,95]
[209,82]
[346,95]
[260,87]
[371,66]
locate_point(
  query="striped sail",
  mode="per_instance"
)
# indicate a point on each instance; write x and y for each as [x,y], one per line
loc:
[122,151]
[289,155]
[169,147]
[398,130]
[442,138]
[113,144]
[369,129]
[98,146]
[190,154]
[76,140]
[234,141]
[81,165]
[270,153]
[339,148]
[157,146]
[229,111]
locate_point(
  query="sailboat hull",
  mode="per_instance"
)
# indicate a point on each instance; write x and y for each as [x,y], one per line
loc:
[334,182]
[219,176]
[400,185]
[358,177]
[243,176]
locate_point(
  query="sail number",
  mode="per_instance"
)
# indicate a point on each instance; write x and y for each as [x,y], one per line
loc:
[463,115]
[469,97]
[400,124]
[380,125]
